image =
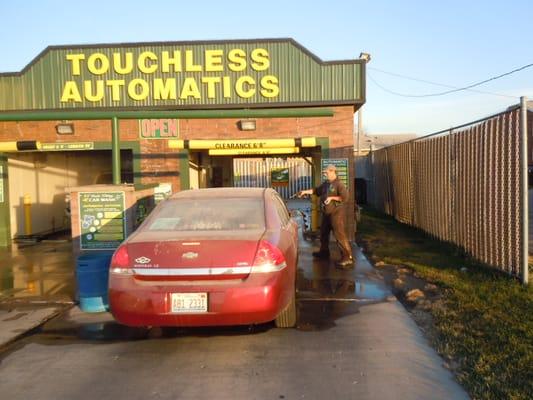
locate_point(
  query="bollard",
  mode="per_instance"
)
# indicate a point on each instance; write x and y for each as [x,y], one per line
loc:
[27,214]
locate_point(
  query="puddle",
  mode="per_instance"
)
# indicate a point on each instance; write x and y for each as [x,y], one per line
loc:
[43,270]
[321,279]
[341,289]
[321,315]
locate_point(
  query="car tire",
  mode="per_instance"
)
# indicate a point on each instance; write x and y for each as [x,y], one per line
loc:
[287,317]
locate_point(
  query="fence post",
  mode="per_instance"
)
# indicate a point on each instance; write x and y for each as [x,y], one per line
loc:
[524,190]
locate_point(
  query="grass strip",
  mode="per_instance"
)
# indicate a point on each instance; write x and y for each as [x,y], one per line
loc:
[484,318]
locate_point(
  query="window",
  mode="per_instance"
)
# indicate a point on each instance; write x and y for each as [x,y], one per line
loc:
[282,210]
[208,214]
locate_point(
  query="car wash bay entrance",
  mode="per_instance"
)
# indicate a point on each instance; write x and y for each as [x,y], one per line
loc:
[103,96]
[254,163]
[36,188]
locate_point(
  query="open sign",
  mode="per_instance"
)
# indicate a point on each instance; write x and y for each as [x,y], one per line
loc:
[158,128]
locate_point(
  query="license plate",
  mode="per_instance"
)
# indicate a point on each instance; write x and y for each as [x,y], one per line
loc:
[188,302]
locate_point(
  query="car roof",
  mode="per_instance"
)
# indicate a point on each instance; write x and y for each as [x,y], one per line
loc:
[226,192]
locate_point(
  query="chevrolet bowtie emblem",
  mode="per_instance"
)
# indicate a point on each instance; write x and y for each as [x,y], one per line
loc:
[142,260]
[190,255]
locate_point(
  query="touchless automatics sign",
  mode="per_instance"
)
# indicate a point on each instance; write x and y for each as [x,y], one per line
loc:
[102,220]
[164,75]
[174,75]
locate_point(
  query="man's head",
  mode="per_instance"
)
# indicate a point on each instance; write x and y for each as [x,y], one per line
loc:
[330,172]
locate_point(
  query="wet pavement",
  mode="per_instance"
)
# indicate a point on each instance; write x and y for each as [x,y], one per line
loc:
[353,340]
[36,284]
[43,272]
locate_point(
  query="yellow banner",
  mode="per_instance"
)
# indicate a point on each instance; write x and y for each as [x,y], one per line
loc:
[242,144]
[240,152]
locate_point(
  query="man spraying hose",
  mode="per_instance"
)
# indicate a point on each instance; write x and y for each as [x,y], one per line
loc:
[333,199]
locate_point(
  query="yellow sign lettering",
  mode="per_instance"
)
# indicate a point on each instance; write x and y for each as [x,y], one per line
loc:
[167,61]
[211,82]
[70,92]
[241,90]
[260,59]
[88,90]
[119,67]
[190,89]
[269,86]
[98,64]
[247,75]
[115,85]
[75,60]
[213,60]
[133,89]
[237,60]
[226,87]
[165,89]
[149,68]
[190,66]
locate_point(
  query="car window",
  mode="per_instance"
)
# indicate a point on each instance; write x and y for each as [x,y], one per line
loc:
[282,209]
[208,215]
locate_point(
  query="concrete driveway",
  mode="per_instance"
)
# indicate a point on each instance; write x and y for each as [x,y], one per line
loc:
[353,341]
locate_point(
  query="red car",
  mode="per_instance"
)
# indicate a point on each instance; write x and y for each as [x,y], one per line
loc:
[224,256]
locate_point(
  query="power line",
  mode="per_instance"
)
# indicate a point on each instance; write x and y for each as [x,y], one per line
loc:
[434,83]
[453,90]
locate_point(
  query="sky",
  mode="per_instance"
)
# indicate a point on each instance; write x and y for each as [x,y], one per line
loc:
[454,43]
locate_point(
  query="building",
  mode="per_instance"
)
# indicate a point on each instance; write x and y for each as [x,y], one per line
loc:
[173,114]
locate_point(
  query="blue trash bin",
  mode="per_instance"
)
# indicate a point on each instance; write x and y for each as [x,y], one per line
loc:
[92,273]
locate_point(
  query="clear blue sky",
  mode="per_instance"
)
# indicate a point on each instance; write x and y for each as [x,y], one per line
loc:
[450,42]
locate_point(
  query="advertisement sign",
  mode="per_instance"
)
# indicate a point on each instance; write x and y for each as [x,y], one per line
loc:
[102,220]
[279,177]
[72,146]
[342,168]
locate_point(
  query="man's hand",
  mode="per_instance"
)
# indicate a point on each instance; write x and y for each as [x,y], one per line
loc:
[303,193]
[329,199]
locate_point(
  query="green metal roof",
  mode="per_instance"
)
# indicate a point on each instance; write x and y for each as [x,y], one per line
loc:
[181,75]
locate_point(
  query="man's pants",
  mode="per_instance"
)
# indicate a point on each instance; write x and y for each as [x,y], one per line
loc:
[335,222]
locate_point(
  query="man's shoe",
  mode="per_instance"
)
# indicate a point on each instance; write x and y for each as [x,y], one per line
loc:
[321,254]
[345,263]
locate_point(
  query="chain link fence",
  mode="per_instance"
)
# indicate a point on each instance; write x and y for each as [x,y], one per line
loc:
[464,186]
[256,172]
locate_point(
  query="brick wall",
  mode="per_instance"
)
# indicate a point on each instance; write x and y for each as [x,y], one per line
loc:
[160,164]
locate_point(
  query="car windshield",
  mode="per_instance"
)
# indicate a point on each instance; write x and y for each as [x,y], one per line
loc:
[208,214]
